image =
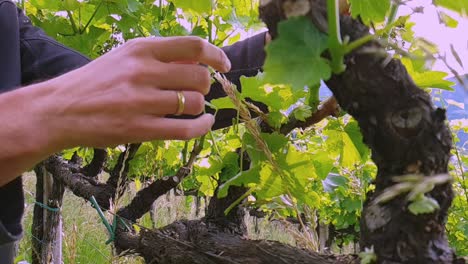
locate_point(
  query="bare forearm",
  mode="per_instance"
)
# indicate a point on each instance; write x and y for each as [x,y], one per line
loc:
[123,97]
[23,134]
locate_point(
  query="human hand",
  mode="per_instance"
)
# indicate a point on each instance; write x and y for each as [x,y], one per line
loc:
[125,95]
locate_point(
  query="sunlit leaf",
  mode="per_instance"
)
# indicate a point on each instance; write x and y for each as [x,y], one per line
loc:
[370,10]
[460,6]
[223,103]
[344,146]
[447,20]
[199,6]
[302,112]
[294,57]
[243,178]
[428,79]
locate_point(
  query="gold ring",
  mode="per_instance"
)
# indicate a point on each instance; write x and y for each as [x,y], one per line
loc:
[180,103]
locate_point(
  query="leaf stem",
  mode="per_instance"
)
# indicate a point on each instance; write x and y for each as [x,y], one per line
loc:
[335,44]
[161,16]
[358,43]
[333,21]
[91,18]
[236,202]
[72,21]
[393,12]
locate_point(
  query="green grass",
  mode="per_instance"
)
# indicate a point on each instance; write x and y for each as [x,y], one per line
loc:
[83,237]
[84,234]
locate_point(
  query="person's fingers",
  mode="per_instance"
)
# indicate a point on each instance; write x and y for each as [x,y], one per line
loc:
[164,102]
[151,128]
[172,49]
[172,76]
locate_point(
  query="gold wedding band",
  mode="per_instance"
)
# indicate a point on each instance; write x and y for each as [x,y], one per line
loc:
[180,103]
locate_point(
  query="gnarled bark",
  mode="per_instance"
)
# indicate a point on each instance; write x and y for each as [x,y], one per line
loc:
[406,134]
[192,242]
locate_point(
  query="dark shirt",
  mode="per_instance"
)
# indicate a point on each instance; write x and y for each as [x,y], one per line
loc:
[28,55]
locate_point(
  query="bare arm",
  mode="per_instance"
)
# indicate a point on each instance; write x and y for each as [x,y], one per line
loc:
[121,97]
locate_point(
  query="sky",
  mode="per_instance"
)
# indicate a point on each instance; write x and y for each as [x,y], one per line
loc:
[428,27]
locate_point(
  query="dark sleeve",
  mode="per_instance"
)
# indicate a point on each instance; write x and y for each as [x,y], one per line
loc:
[247,58]
[11,194]
[9,49]
[42,57]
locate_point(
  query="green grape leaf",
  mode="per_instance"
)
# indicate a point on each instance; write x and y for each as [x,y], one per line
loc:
[460,6]
[309,197]
[242,178]
[172,155]
[370,10]
[294,57]
[423,205]
[214,167]
[298,171]
[207,184]
[340,143]
[71,5]
[199,6]
[68,153]
[199,31]
[354,133]
[352,205]
[133,5]
[302,112]
[234,39]
[46,4]
[427,79]
[323,164]
[253,88]
[276,97]
[299,165]
[271,184]
[333,181]
[274,141]
[231,166]
[350,156]
[447,20]
[223,103]
[433,79]
[276,119]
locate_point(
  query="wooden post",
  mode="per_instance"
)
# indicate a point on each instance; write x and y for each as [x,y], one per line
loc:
[47,223]
[52,221]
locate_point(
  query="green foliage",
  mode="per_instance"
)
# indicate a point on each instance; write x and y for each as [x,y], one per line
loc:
[368,256]
[460,6]
[448,20]
[427,79]
[200,7]
[325,169]
[294,57]
[370,10]
[457,226]
[423,205]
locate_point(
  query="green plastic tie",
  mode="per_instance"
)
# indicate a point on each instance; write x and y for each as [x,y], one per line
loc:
[47,207]
[110,229]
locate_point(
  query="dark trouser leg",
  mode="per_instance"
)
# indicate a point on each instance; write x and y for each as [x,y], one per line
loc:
[7,253]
